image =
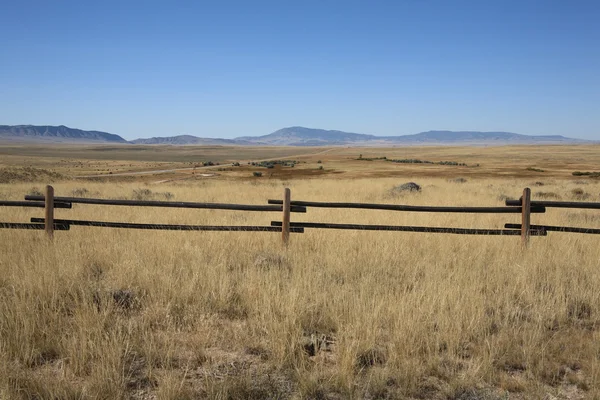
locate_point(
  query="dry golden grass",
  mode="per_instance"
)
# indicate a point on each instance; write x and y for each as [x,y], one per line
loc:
[108,313]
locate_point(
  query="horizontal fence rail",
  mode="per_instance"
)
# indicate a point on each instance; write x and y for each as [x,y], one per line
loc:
[525,207]
[168,227]
[426,229]
[397,207]
[171,204]
[550,228]
[557,204]
[20,225]
[35,204]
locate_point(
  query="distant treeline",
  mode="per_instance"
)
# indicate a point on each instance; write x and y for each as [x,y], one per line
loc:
[271,164]
[590,174]
[411,161]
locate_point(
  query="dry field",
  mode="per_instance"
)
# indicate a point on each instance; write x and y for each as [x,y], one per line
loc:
[160,164]
[106,160]
[123,314]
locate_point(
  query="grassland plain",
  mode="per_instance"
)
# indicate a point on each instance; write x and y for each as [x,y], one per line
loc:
[107,313]
[78,160]
[180,163]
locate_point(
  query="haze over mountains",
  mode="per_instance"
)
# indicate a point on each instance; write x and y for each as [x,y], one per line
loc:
[292,136]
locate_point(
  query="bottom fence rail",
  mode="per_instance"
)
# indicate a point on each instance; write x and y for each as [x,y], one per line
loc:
[25,225]
[425,229]
[169,227]
[550,228]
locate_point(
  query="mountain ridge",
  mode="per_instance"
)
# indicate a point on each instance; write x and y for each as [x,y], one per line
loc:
[290,136]
[61,133]
[181,140]
[301,136]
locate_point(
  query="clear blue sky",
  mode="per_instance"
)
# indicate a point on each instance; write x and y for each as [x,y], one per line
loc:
[233,68]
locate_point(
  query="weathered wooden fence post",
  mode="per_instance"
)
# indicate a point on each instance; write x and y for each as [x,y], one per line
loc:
[285,227]
[525,216]
[49,211]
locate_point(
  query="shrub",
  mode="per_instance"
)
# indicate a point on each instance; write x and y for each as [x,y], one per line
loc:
[142,194]
[371,158]
[577,192]
[580,194]
[80,192]
[35,192]
[417,161]
[257,173]
[504,197]
[590,174]
[547,195]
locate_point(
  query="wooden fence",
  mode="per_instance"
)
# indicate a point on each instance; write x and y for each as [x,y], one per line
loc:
[49,202]
[524,206]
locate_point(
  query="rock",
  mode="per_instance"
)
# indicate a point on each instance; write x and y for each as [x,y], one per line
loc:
[407,187]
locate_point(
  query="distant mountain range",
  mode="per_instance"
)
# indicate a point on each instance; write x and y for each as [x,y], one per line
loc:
[299,136]
[183,140]
[293,136]
[58,134]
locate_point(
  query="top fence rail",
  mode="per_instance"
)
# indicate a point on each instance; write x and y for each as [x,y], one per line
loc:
[171,204]
[557,204]
[35,204]
[397,207]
